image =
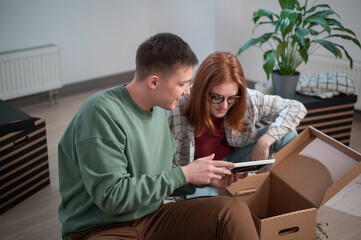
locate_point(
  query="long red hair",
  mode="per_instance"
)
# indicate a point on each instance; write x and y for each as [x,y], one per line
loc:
[217,68]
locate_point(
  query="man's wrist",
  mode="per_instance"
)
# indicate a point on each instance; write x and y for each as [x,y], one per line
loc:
[184,169]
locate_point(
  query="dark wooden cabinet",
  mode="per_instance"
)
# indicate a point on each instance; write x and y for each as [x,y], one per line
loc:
[331,116]
[24,167]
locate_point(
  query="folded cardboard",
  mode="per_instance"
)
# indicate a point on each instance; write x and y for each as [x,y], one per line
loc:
[307,172]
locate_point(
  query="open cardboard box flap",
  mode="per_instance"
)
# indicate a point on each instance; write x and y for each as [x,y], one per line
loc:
[315,167]
[307,173]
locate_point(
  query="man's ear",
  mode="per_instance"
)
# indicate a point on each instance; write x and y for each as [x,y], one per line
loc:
[153,81]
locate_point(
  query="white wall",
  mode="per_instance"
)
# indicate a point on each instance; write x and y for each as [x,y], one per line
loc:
[100,38]
[193,20]
[234,27]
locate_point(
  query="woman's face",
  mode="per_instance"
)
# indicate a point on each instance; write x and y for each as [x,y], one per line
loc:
[225,91]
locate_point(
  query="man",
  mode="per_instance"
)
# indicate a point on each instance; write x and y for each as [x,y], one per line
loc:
[115,161]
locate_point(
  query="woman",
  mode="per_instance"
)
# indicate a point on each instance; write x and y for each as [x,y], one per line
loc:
[221,114]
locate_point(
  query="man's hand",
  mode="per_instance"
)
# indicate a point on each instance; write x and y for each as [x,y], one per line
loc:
[205,170]
[227,180]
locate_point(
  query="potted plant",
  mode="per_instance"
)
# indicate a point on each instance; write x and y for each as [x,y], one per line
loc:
[298,32]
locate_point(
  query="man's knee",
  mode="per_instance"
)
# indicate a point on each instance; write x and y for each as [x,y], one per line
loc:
[235,204]
[230,203]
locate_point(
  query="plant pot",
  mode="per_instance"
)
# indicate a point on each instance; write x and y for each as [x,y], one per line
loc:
[284,86]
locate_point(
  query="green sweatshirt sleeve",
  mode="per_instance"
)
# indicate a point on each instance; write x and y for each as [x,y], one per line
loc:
[109,180]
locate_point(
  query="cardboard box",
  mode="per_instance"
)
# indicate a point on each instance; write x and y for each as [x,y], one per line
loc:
[24,168]
[307,173]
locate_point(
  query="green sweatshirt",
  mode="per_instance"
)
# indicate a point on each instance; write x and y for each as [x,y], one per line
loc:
[115,163]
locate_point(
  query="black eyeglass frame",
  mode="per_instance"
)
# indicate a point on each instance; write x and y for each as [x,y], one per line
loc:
[222,99]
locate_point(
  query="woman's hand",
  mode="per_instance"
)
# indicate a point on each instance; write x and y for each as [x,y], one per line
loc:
[261,148]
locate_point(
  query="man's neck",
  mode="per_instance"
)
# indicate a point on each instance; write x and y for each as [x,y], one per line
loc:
[139,92]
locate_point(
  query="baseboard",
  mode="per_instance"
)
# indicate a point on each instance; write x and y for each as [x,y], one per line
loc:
[75,88]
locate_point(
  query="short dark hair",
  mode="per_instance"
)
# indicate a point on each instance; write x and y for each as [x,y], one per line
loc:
[163,52]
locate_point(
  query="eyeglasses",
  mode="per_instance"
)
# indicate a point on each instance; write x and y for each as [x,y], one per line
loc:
[218,99]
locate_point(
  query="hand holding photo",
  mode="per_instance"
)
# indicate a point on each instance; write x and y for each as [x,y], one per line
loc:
[252,166]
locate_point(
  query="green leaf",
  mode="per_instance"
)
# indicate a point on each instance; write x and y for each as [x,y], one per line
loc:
[248,44]
[344,30]
[282,47]
[287,20]
[253,42]
[300,34]
[313,32]
[330,46]
[277,39]
[263,13]
[304,54]
[268,22]
[319,21]
[269,62]
[324,14]
[290,14]
[347,55]
[333,22]
[339,54]
[288,4]
[299,8]
[317,6]
[346,37]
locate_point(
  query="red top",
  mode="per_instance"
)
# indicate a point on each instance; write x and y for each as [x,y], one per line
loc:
[213,142]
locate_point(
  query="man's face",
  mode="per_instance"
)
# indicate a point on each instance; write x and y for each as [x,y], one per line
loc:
[173,87]
[225,90]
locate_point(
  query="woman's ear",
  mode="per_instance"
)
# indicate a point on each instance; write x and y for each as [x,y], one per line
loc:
[153,81]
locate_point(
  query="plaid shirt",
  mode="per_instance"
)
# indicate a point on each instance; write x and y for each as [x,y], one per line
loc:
[284,115]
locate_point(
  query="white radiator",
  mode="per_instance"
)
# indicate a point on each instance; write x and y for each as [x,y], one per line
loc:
[29,71]
[319,63]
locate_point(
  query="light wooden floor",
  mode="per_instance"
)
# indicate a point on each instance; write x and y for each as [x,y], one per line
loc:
[36,217]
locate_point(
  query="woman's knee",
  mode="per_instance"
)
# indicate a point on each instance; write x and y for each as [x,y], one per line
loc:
[281,143]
